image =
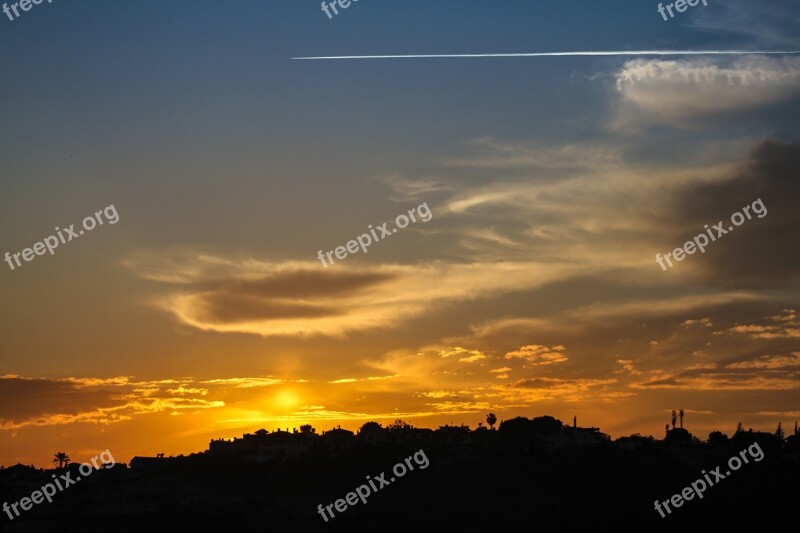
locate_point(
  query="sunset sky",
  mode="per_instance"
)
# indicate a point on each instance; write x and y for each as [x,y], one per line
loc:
[553,183]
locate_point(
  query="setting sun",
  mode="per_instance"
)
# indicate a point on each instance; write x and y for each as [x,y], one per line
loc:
[285,400]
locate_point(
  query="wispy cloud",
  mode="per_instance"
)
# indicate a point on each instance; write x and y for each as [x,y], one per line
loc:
[537,355]
[302,299]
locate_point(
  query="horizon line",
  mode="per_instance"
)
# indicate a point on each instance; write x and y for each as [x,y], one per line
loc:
[562,54]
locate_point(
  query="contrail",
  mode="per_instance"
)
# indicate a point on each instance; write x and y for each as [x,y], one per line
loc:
[569,54]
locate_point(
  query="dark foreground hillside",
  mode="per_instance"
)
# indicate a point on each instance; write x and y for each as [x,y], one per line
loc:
[498,487]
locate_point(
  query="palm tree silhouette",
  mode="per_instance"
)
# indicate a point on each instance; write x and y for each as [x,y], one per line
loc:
[491,419]
[61,458]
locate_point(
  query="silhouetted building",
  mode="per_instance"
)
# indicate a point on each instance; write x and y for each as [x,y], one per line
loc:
[338,439]
[572,437]
[263,446]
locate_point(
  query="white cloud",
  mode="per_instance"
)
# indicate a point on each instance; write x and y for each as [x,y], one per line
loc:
[686,92]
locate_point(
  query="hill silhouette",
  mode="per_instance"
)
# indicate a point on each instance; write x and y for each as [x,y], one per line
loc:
[531,474]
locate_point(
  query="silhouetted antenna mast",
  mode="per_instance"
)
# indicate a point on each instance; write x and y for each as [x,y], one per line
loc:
[674,418]
[681,418]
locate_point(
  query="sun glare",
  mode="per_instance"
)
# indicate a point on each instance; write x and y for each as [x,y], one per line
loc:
[286,399]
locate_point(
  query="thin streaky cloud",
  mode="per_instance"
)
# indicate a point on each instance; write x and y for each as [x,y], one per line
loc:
[569,54]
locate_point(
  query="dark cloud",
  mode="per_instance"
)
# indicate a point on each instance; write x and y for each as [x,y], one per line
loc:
[47,402]
[21,398]
[307,284]
[222,307]
[266,298]
[762,252]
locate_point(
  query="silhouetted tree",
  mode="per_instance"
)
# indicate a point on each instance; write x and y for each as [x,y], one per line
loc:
[491,419]
[717,438]
[61,458]
[678,435]
[779,432]
[516,431]
[397,425]
[370,426]
[545,424]
[452,432]
[306,429]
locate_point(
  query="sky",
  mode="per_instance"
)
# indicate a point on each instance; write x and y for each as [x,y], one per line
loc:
[533,288]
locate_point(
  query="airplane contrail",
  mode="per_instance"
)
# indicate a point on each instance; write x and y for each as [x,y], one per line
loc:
[568,54]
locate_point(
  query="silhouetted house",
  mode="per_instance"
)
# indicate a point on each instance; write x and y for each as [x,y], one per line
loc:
[582,437]
[280,444]
[338,439]
[263,446]
[571,437]
[223,447]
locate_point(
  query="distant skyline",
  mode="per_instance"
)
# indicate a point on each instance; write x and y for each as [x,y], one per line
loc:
[534,289]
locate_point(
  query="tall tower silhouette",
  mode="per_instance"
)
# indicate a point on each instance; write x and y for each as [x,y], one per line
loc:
[674,418]
[681,419]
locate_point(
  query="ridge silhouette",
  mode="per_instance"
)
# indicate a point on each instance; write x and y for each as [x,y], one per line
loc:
[527,473]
